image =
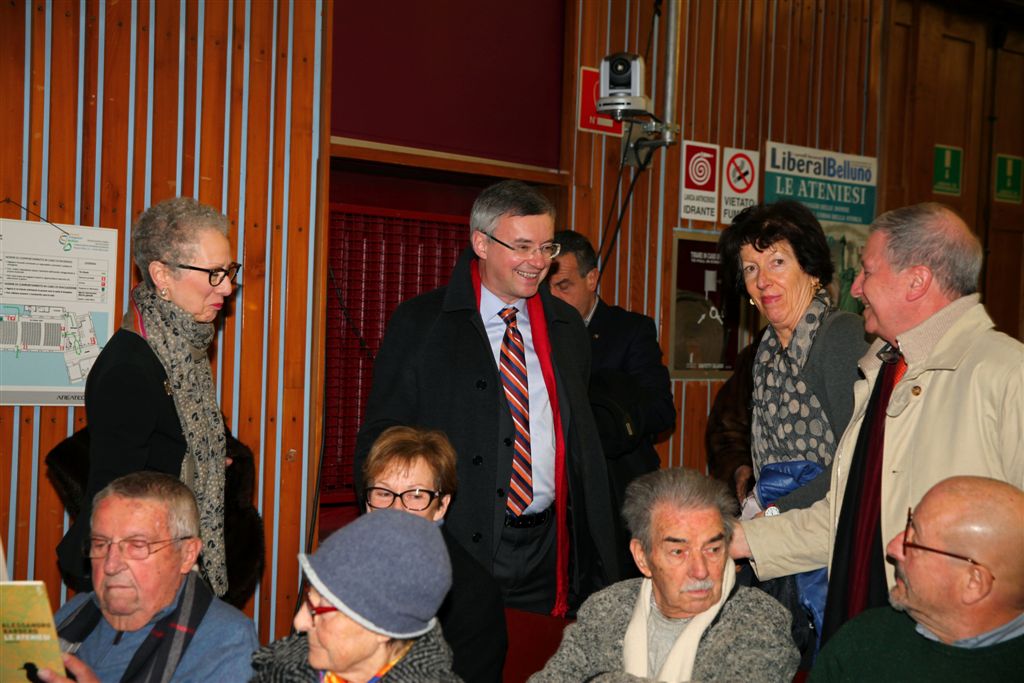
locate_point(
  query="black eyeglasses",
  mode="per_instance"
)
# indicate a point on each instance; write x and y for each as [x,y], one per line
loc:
[98,547]
[548,250]
[216,275]
[417,499]
[909,544]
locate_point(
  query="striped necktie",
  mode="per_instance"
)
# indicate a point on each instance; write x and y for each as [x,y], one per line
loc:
[513,378]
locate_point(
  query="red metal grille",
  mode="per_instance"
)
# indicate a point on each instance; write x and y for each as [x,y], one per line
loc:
[378,258]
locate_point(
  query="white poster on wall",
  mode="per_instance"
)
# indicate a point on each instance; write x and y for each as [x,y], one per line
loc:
[741,180]
[57,285]
[699,182]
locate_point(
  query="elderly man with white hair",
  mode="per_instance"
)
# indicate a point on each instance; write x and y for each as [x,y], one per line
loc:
[152,617]
[686,619]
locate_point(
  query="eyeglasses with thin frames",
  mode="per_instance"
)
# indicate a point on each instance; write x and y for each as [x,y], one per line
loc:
[417,499]
[215,275]
[548,250]
[132,548]
[918,546]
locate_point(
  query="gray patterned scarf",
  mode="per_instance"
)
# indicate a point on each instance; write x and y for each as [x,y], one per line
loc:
[181,344]
[788,421]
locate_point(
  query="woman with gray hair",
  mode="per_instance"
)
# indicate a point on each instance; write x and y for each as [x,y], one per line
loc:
[369,617]
[150,399]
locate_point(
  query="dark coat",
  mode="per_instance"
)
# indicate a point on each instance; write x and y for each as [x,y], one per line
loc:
[472,618]
[435,369]
[133,426]
[626,343]
[631,394]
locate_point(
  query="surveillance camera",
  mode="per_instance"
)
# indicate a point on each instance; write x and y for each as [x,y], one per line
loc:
[622,86]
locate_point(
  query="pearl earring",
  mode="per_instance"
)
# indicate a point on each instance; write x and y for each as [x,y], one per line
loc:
[163,293]
[751,300]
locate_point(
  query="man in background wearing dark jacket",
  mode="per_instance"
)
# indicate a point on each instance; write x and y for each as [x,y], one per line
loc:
[630,390]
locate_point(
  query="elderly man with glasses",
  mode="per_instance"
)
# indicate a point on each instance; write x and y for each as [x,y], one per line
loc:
[958,598]
[151,616]
[501,366]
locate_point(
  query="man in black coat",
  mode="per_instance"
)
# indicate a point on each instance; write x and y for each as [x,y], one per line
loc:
[630,390]
[441,365]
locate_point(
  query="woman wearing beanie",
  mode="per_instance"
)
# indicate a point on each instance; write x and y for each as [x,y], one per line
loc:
[413,470]
[375,586]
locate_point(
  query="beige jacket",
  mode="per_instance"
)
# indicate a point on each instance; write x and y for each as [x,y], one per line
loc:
[959,410]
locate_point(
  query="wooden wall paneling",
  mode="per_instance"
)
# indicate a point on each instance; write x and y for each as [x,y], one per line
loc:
[215,39]
[293,422]
[756,59]
[115,129]
[57,197]
[825,77]
[139,186]
[729,58]
[695,413]
[270,415]
[803,100]
[897,137]
[116,115]
[1004,240]
[188,151]
[259,148]
[165,130]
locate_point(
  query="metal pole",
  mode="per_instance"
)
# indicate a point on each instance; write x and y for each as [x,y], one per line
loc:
[672,57]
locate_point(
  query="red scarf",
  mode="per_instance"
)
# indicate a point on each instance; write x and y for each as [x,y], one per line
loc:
[542,345]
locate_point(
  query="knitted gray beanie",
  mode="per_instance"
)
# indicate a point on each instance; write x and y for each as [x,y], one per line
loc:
[388,571]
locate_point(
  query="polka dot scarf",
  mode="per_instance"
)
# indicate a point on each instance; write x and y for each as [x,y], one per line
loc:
[788,421]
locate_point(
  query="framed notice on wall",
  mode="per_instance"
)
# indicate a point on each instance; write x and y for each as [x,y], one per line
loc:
[707,315]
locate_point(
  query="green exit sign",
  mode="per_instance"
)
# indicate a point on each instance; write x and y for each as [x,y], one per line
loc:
[1008,178]
[948,170]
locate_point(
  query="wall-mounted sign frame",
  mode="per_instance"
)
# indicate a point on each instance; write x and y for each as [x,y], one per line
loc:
[708,317]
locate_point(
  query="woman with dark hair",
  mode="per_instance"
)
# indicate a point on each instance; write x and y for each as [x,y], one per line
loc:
[150,399]
[805,364]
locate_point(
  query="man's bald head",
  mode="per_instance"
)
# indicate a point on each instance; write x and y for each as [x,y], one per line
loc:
[985,521]
[960,563]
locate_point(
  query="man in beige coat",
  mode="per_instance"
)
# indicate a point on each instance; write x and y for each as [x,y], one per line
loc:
[943,396]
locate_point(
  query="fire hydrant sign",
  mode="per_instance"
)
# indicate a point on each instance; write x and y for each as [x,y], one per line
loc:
[741,178]
[590,119]
[699,179]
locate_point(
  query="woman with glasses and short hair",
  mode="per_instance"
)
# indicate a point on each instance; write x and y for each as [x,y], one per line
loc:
[413,470]
[150,399]
[375,586]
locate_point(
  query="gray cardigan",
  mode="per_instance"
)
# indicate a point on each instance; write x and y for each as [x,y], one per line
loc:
[748,641]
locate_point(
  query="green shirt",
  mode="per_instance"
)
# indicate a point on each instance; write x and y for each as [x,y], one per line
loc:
[883,645]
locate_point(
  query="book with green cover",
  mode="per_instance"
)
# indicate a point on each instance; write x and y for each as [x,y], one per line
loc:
[29,640]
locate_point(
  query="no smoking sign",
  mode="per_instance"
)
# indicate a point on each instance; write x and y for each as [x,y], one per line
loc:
[741,169]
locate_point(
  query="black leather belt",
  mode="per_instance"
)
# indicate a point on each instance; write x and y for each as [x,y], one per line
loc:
[527,521]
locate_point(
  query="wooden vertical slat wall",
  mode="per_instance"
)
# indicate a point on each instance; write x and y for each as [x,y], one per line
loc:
[803,72]
[111,106]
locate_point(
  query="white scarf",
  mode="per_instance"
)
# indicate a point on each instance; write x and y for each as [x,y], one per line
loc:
[678,666]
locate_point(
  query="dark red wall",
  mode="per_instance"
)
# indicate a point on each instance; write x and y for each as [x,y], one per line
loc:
[469,77]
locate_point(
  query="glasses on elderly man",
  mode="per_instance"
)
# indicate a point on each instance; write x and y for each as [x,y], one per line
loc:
[918,546]
[548,250]
[134,548]
[216,275]
[380,498]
